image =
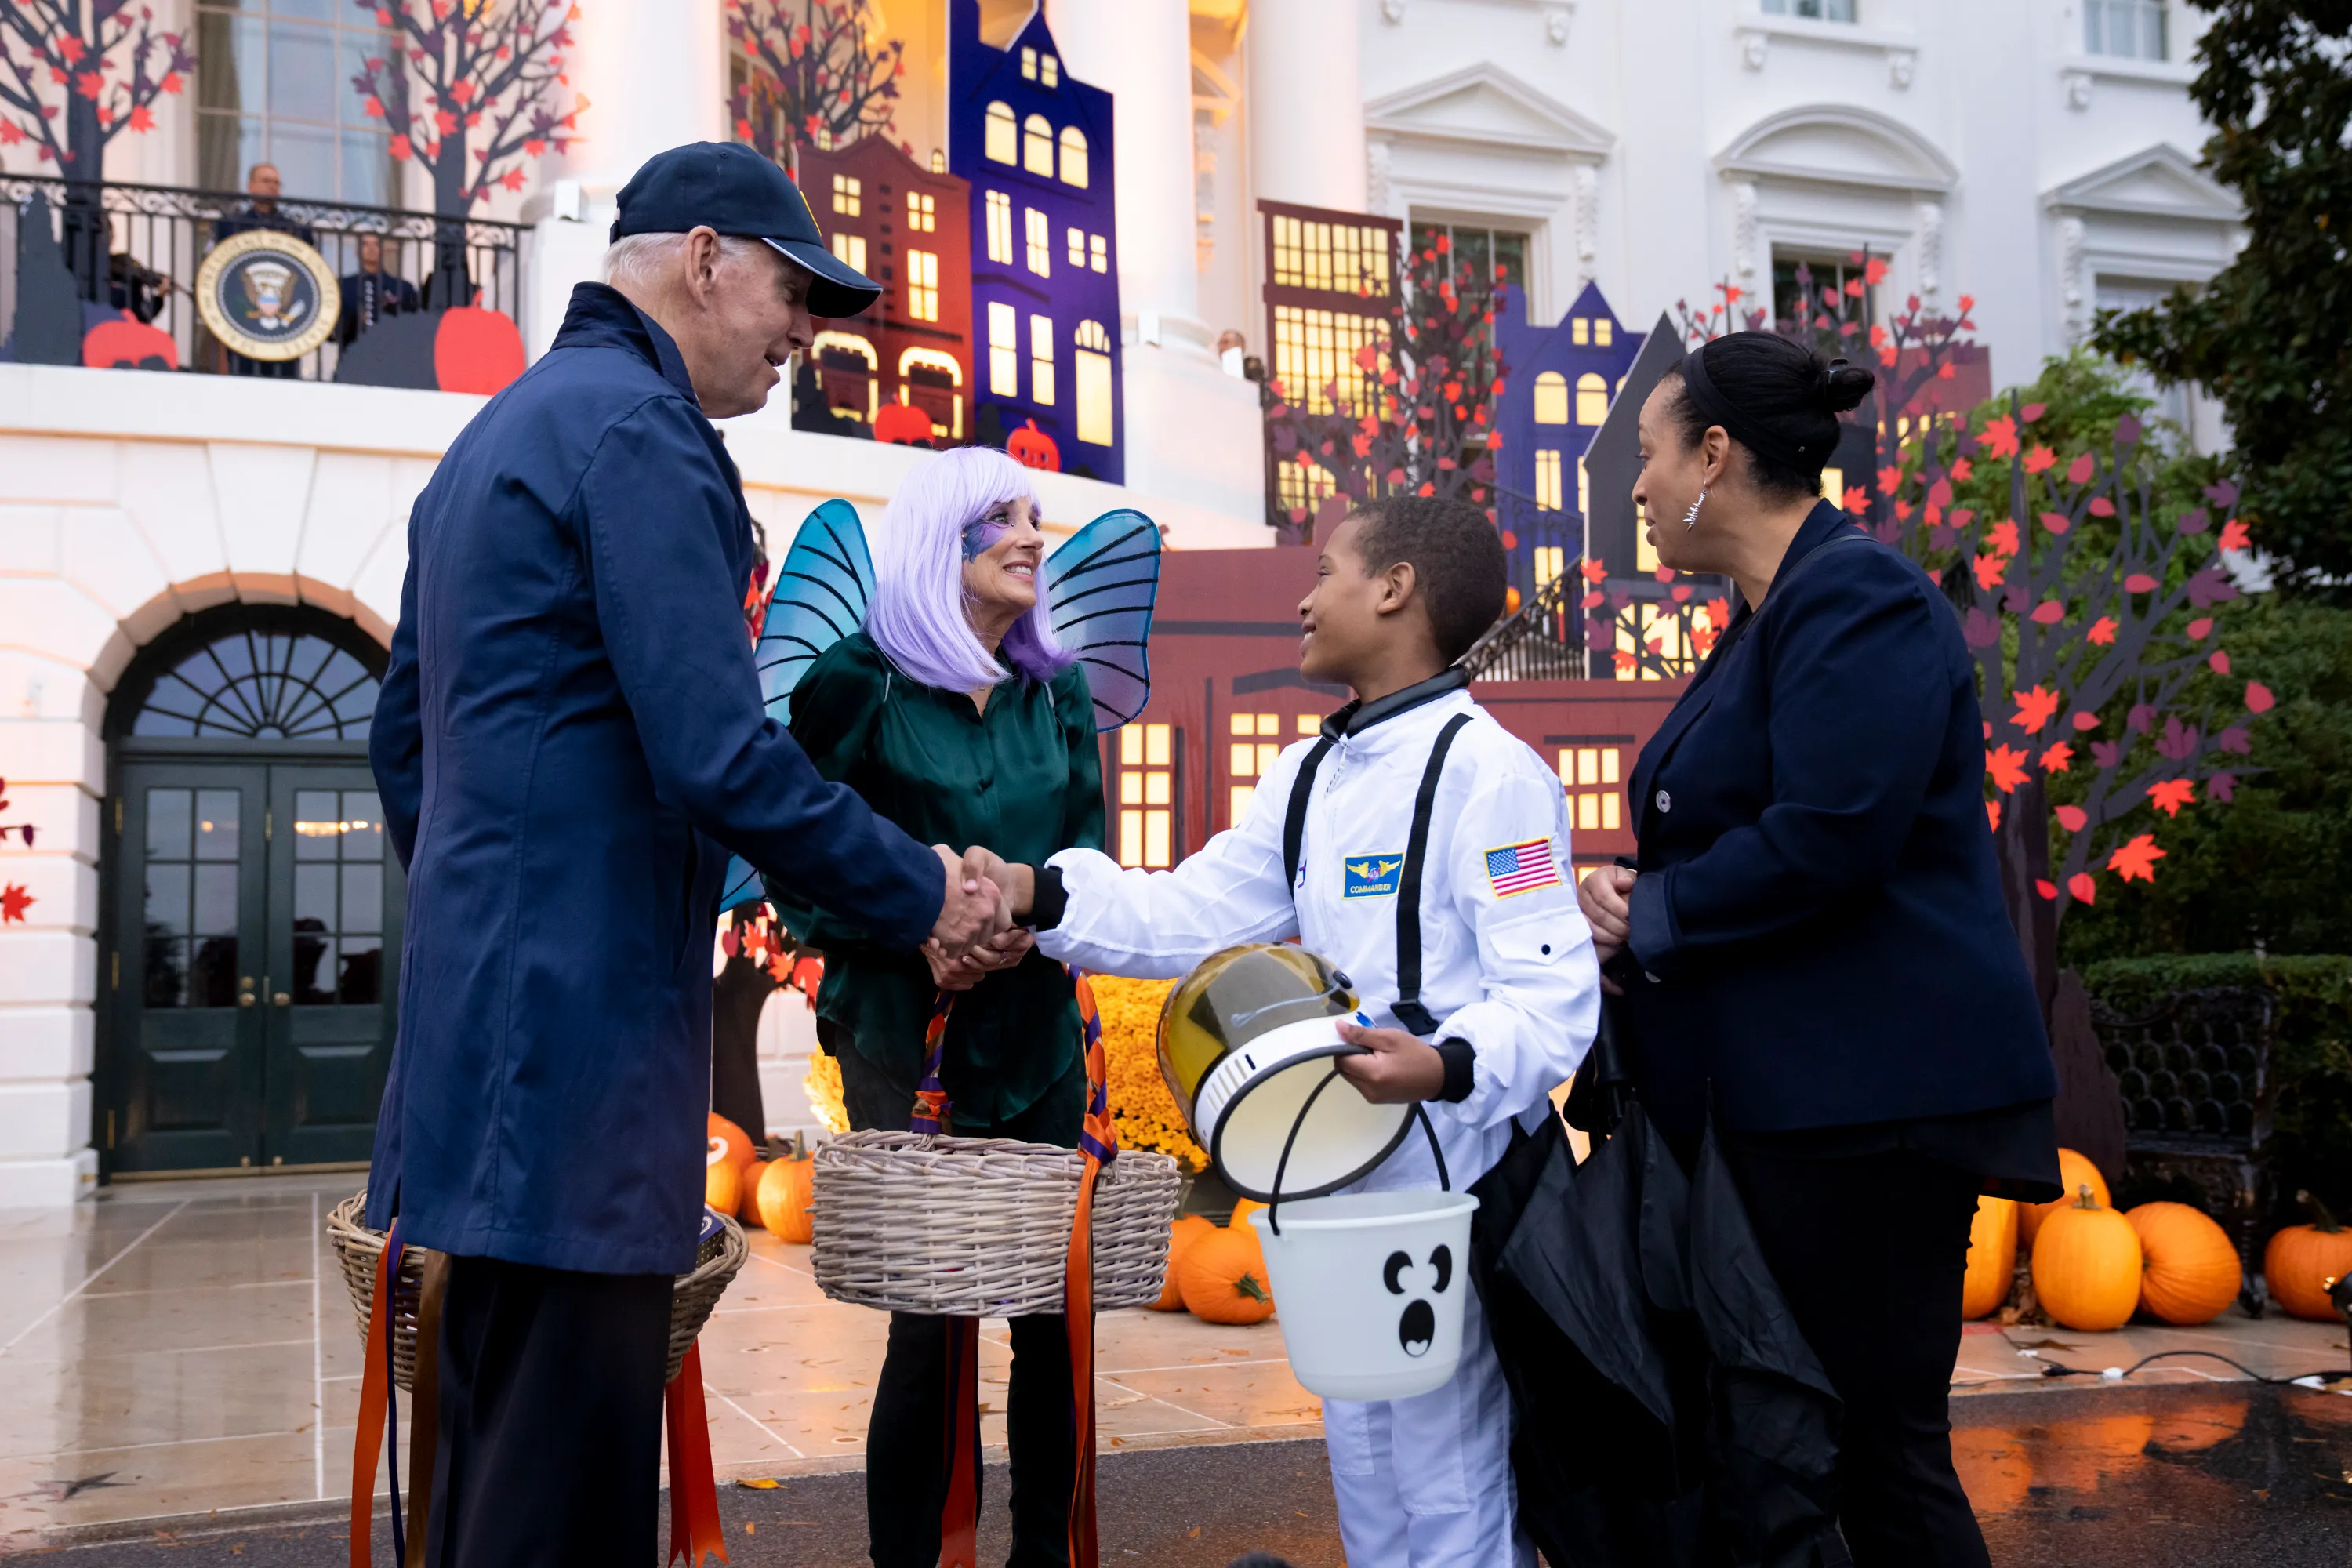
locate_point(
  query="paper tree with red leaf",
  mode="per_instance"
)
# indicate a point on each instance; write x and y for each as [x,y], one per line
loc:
[15,899]
[815,74]
[73,75]
[1414,416]
[93,66]
[472,91]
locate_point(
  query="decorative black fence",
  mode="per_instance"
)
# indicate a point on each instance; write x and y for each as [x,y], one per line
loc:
[2195,1075]
[1544,640]
[138,249]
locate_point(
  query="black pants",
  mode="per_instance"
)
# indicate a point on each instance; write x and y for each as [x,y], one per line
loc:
[908,1458]
[1884,1318]
[550,1417]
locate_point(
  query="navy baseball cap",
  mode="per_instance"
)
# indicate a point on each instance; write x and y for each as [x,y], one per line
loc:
[732,189]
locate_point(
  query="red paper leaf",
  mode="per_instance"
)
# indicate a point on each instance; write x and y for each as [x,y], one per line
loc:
[2035,708]
[2006,766]
[2102,631]
[2233,536]
[2049,613]
[2040,460]
[2031,412]
[2057,759]
[2072,818]
[2258,698]
[2086,721]
[2081,888]
[1992,814]
[2048,889]
[2079,469]
[2199,627]
[2219,662]
[2102,506]
[2137,859]
[2139,582]
[2170,795]
[1989,570]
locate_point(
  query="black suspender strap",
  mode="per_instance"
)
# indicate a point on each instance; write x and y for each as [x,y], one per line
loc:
[1293,826]
[1408,1009]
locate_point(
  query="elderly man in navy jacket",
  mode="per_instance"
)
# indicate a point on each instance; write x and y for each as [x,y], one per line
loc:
[568,742]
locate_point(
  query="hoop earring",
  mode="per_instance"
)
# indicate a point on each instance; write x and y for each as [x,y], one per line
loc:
[1690,518]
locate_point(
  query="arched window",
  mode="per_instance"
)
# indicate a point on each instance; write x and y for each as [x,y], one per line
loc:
[1551,398]
[261,683]
[1592,399]
[1074,156]
[1038,145]
[1002,134]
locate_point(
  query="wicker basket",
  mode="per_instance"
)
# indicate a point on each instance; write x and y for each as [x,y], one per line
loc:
[358,1248]
[981,1227]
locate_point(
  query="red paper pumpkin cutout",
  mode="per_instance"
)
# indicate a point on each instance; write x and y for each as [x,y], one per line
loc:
[128,344]
[903,424]
[476,350]
[1032,448]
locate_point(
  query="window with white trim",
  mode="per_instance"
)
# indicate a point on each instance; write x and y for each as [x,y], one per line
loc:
[1041,359]
[1003,138]
[922,285]
[1041,241]
[1000,226]
[1003,350]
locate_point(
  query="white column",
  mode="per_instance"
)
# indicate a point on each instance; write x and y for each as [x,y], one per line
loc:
[1193,433]
[655,78]
[1140,52]
[1305,103]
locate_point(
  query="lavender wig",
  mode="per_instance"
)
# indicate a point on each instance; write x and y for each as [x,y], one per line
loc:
[920,618]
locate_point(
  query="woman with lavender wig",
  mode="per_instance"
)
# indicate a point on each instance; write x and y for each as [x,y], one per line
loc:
[956,715]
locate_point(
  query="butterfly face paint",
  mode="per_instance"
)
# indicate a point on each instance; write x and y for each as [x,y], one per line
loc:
[980,535]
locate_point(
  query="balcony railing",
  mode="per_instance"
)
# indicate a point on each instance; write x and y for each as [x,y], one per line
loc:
[155,239]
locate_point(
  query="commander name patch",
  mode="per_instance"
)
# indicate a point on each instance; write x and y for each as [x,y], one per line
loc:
[1370,876]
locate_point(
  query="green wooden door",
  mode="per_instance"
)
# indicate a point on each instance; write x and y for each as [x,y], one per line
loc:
[254,968]
[186,969]
[336,896]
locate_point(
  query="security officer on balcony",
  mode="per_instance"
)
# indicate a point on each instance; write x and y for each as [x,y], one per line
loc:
[568,742]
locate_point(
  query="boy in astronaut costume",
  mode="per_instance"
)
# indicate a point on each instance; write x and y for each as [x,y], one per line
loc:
[1508,994]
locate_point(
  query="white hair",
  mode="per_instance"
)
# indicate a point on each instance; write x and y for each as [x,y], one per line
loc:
[638,260]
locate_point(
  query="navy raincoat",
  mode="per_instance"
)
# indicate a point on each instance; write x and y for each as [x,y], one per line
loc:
[569,741]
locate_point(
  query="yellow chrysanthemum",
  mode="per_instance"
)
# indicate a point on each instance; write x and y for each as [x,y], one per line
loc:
[1140,1105]
[824,1085]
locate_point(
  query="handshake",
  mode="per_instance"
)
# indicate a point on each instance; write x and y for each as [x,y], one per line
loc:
[974,935]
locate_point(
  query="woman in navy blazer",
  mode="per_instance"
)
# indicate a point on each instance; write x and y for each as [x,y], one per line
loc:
[1813,948]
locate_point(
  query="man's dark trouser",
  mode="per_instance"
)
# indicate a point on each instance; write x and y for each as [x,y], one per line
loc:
[1884,1318]
[550,1417]
[907,1457]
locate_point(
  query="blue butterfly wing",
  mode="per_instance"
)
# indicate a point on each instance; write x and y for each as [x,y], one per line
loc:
[821,592]
[1100,586]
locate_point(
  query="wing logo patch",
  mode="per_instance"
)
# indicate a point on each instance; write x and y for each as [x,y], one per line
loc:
[1370,876]
[1522,867]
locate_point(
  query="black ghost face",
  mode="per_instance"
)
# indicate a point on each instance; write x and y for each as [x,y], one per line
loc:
[1417,1325]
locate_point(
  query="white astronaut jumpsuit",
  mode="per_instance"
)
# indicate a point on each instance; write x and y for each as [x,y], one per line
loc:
[1506,964]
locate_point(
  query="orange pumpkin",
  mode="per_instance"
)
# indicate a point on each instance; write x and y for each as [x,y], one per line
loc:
[747,1210]
[1992,1256]
[786,1190]
[1243,1209]
[2302,1261]
[2188,1270]
[1187,1229]
[902,423]
[2073,1170]
[730,1142]
[1222,1277]
[722,1185]
[2086,1265]
[1032,448]
[476,350]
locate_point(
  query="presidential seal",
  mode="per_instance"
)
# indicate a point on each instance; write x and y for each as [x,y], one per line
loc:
[268,295]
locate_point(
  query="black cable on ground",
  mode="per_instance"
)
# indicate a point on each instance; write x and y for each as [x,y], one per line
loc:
[2116,1374]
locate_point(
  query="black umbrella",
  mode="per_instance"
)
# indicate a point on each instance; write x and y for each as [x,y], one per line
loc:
[1670,1413]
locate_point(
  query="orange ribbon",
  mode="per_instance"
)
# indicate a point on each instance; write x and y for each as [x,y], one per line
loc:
[694,1526]
[375,1399]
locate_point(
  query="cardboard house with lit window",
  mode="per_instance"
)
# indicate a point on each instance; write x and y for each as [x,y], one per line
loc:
[1035,143]
[909,228]
[1558,384]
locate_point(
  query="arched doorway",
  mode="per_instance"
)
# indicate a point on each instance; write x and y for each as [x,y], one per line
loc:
[251,907]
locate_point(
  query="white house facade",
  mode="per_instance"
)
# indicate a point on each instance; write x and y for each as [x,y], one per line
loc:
[2039,155]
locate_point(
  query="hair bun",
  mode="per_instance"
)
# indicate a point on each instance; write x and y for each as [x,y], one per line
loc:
[1844,387]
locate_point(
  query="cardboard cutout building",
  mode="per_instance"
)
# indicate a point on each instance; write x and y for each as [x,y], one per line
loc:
[1035,145]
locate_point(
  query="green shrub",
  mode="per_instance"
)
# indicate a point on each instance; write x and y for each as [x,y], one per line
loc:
[2311,1054]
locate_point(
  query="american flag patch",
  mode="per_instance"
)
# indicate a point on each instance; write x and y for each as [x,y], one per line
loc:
[1521,868]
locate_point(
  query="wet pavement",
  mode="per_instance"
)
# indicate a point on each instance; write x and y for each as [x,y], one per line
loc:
[2084,1478]
[178,1363]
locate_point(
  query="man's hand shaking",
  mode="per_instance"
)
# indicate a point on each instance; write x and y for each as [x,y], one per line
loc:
[974,907]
